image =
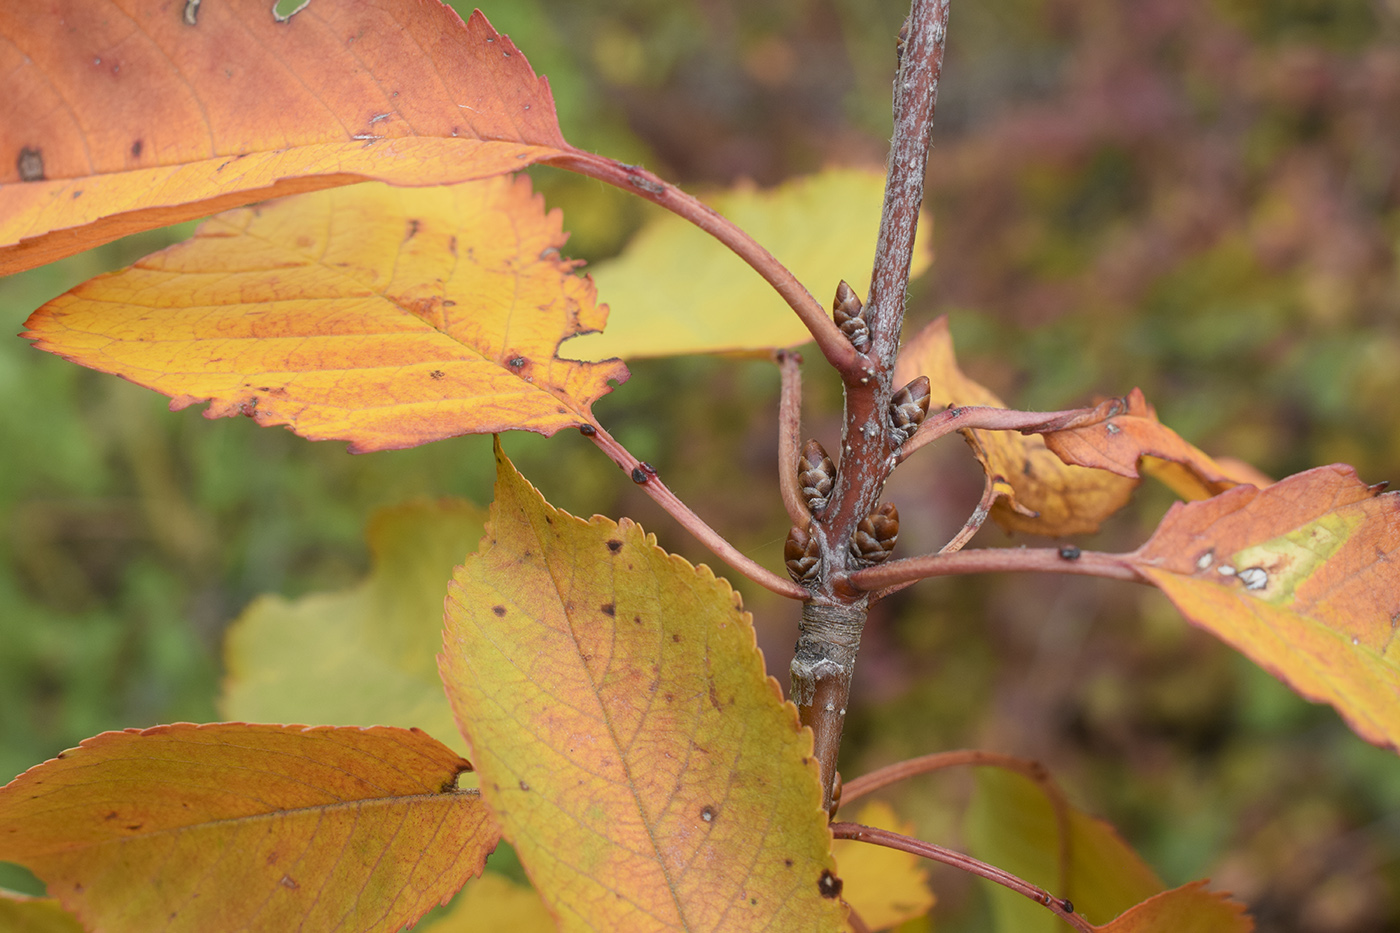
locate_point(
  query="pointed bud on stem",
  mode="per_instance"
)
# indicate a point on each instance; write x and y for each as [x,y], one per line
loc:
[908,408]
[803,555]
[850,317]
[816,474]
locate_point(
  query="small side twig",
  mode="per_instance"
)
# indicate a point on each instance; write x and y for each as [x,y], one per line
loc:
[975,521]
[1032,771]
[643,475]
[884,837]
[637,180]
[980,417]
[789,434]
[996,560]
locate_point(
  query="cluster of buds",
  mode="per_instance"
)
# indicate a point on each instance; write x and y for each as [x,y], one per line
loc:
[875,536]
[850,317]
[908,408]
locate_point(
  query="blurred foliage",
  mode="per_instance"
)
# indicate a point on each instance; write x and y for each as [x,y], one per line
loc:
[1200,197]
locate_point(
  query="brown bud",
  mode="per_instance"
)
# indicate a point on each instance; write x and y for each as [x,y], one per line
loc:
[908,408]
[815,475]
[850,317]
[876,534]
[803,555]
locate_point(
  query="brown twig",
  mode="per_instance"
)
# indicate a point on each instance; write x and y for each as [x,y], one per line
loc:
[997,560]
[643,475]
[975,521]
[884,837]
[637,180]
[980,417]
[789,434]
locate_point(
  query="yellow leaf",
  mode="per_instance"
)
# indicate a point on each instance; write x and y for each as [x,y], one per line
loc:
[639,759]
[248,827]
[364,655]
[1065,499]
[1302,577]
[675,289]
[388,317]
[885,886]
[120,117]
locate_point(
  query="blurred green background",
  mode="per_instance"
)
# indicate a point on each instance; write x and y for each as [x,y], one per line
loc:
[1199,197]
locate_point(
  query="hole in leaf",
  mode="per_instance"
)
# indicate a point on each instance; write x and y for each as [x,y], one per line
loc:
[284,10]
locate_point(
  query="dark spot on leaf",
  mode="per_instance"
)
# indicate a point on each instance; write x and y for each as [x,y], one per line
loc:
[787,862]
[1026,468]
[714,696]
[753,901]
[675,637]
[436,374]
[638,620]
[134,827]
[707,813]
[111,816]
[517,362]
[30,164]
[829,885]
[413,225]
[614,545]
[524,786]
[609,609]
[287,882]
[499,610]
[136,149]
[452,245]
[77,194]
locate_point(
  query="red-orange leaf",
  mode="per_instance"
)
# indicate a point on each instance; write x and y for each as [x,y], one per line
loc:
[1187,909]
[122,115]
[387,317]
[241,827]
[1123,433]
[1304,578]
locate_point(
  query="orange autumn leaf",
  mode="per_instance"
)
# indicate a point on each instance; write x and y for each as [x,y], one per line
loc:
[1187,909]
[123,115]
[1044,494]
[248,827]
[626,735]
[1123,435]
[387,317]
[1304,578]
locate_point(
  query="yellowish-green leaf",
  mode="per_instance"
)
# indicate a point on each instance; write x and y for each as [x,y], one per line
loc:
[676,290]
[1012,825]
[885,886]
[259,828]
[20,914]
[494,904]
[387,317]
[364,656]
[642,763]
[1304,578]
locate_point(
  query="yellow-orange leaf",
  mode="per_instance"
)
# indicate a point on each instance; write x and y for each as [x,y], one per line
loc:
[1304,578]
[1187,909]
[387,317]
[885,886]
[639,759]
[1065,499]
[248,827]
[123,115]
[1123,435]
